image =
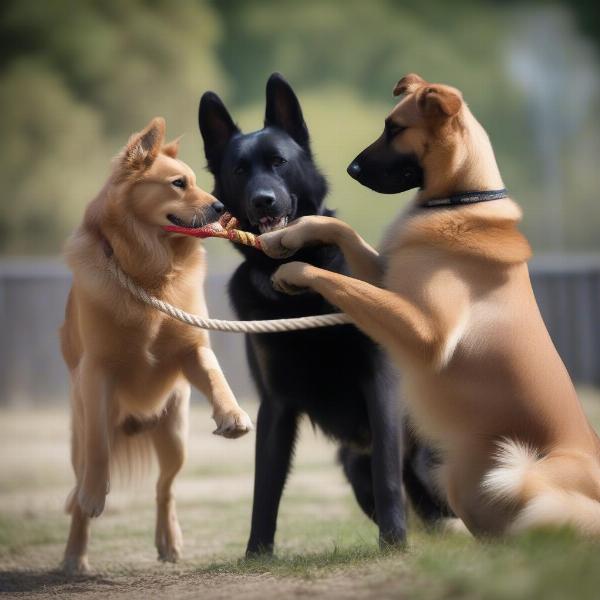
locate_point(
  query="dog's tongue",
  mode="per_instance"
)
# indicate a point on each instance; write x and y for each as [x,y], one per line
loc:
[225,223]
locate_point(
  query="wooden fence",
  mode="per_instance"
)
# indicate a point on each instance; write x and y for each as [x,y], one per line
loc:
[32,299]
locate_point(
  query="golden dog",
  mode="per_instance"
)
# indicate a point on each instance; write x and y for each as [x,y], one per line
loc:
[451,300]
[129,364]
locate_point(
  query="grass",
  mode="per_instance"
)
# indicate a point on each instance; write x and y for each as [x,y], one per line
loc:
[325,546]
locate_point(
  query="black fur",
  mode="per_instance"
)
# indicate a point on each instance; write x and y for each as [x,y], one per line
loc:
[335,375]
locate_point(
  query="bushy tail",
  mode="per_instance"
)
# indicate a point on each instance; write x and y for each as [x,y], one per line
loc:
[131,461]
[131,456]
[550,490]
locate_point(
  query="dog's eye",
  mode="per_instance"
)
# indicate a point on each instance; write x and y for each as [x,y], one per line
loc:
[277,161]
[239,170]
[179,183]
[393,130]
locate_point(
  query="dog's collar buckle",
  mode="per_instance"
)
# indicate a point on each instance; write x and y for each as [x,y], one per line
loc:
[465,198]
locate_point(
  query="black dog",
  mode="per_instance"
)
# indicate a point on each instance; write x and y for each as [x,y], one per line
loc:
[336,375]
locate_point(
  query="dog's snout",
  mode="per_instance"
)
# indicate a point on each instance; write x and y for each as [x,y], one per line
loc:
[218,207]
[263,199]
[354,169]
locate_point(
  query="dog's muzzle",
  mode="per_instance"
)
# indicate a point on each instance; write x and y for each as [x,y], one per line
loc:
[387,174]
[200,218]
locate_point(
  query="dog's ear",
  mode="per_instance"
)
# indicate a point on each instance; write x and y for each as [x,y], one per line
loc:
[283,110]
[216,126]
[407,83]
[143,147]
[439,101]
[172,148]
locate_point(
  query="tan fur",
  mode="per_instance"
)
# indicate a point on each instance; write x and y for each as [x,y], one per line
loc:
[450,298]
[131,366]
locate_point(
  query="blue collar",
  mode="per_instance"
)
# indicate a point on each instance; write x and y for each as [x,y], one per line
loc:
[464,198]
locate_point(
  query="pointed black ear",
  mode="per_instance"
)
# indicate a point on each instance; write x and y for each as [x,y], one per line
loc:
[216,126]
[283,110]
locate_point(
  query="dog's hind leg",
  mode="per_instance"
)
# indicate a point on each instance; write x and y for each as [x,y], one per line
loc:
[95,388]
[170,442]
[386,456]
[75,560]
[357,468]
[420,466]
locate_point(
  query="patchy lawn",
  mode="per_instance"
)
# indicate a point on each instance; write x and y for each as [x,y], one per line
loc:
[325,545]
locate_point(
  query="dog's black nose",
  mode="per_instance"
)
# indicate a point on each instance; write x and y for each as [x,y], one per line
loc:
[354,170]
[263,200]
[218,207]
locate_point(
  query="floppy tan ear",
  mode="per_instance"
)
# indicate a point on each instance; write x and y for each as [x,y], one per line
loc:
[439,101]
[407,82]
[172,148]
[143,147]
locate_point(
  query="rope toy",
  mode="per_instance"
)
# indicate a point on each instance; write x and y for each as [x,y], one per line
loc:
[225,228]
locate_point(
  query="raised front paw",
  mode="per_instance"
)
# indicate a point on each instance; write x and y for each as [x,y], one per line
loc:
[92,497]
[305,231]
[232,424]
[292,278]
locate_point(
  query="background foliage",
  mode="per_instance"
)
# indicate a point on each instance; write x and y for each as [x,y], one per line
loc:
[77,77]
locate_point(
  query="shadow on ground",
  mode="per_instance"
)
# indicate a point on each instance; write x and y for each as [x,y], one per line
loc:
[36,581]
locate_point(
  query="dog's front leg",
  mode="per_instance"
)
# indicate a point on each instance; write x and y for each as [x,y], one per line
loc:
[388,318]
[203,371]
[96,390]
[363,260]
[275,436]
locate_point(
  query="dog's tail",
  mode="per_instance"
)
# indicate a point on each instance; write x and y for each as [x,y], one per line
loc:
[551,491]
[131,454]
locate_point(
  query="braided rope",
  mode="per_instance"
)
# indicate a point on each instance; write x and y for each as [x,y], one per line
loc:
[266,326]
[225,228]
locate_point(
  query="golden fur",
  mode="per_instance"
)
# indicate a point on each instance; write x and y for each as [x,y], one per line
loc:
[451,300]
[131,366]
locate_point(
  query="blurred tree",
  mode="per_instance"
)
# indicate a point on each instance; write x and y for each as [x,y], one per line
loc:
[586,12]
[76,78]
[363,48]
[366,47]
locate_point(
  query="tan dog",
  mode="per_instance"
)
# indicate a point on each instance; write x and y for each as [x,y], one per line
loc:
[450,298]
[130,365]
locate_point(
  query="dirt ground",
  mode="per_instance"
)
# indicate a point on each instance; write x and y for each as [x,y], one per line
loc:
[325,546]
[214,495]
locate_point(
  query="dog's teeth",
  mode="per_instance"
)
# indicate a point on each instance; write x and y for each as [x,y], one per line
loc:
[194,220]
[267,224]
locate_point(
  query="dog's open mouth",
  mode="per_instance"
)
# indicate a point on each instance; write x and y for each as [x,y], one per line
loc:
[267,224]
[193,224]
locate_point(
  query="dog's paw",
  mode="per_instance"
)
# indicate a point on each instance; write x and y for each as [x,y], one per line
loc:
[292,278]
[92,498]
[169,541]
[75,565]
[233,424]
[272,245]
